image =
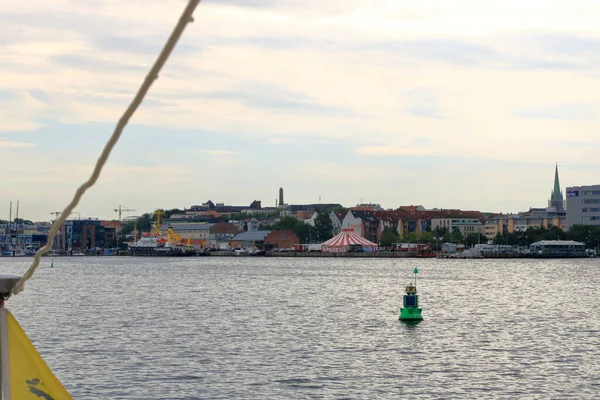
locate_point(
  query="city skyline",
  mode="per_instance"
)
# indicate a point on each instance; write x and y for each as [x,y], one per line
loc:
[464,105]
[124,212]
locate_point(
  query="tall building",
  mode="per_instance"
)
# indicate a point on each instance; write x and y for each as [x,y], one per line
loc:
[583,205]
[281,196]
[81,235]
[556,196]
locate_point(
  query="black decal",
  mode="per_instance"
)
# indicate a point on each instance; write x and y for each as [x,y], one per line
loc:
[33,383]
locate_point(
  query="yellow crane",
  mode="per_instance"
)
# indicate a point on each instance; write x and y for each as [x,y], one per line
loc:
[156,229]
[175,238]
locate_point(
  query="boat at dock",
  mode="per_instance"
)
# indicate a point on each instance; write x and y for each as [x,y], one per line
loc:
[161,244]
[249,252]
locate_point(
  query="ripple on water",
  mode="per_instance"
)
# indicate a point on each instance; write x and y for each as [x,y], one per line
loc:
[252,328]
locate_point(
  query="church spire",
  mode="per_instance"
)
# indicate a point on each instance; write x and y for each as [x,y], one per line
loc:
[556,192]
[556,197]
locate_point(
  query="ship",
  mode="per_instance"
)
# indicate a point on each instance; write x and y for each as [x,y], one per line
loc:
[157,243]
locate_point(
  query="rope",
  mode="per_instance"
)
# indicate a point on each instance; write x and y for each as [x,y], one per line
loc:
[185,18]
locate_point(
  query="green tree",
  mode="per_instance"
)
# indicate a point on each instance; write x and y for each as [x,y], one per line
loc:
[472,239]
[305,232]
[410,238]
[588,234]
[426,237]
[323,226]
[456,236]
[172,211]
[301,229]
[440,231]
[555,233]
[22,221]
[288,223]
[388,237]
[239,216]
[498,239]
[144,224]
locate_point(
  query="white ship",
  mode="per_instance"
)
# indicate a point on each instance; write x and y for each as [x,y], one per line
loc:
[157,243]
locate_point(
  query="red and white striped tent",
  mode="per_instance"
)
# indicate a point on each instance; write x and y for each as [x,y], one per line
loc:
[347,237]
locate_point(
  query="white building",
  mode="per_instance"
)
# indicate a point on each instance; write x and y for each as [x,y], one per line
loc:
[252,225]
[583,205]
[336,221]
[354,223]
[464,225]
[185,230]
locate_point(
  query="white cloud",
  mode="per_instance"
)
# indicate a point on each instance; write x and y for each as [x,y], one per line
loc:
[217,152]
[6,144]
[373,77]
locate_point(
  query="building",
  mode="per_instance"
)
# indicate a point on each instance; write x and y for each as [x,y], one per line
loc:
[499,224]
[197,233]
[294,208]
[249,239]
[81,235]
[221,208]
[221,234]
[281,203]
[283,239]
[465,226]
[252,225]
[17,237]
[194,230]
[557,248]
[583,205]
[306,216]
[363,223]
[556,196]
[535,218]
[544,217]
[111,231]
[368,207]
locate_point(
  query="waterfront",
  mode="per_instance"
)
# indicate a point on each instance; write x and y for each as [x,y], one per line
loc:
[255,328]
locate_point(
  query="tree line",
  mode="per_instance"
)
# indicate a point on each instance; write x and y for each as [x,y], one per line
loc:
[588,234]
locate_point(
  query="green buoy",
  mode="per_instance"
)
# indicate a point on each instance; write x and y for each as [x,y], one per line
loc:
[410,310]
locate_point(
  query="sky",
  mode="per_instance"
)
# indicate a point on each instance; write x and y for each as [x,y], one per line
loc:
[463,104]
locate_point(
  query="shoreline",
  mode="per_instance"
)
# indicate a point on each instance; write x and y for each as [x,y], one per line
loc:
[378,254]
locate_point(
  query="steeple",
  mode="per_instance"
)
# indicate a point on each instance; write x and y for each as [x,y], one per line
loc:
[556,196]
[556,192]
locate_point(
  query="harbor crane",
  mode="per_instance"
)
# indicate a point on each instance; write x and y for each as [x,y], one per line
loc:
[122,209]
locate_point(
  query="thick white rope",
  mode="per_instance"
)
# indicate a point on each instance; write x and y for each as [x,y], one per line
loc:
[186,18]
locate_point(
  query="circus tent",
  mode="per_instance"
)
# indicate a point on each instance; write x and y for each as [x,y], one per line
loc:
[346,238]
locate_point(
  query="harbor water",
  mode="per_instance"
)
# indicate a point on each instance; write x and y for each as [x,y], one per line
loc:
[313,328]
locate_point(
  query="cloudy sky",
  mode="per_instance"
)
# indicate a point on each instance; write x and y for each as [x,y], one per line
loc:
[456,104]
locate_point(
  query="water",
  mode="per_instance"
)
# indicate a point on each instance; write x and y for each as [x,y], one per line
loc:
[277,328]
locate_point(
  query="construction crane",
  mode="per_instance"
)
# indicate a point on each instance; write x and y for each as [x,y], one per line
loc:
[122,209]
[57,213]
